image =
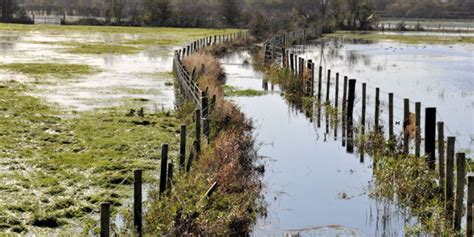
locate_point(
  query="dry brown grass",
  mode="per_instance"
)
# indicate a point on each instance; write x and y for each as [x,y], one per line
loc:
[206,65]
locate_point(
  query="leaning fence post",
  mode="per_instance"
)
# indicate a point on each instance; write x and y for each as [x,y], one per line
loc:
[137,202]
[449,190]
[350,110]
[182,147]
[164,167]
[430,136]
[105,219]
[460,183]
[470,203]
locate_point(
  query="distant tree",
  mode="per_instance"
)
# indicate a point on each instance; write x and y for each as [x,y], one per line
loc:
[134,10]
[108,10]
[157,12]
[117,9]
[8,8]
[231,10]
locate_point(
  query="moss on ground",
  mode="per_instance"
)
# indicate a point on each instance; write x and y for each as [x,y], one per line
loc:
[57,70]
[405,38]
[57,169]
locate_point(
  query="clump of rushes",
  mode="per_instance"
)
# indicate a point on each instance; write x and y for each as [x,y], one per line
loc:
[228,161]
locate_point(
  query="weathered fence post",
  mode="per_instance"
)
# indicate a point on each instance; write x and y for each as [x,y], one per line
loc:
[198,131]
[377,111]
[390,117]
[470,203]
[313,72]
[344,111]
[182,148]
[328,90]
[105,219]
[205,114]
[350,121]
[137,202]
[460,183]
[164,167]
[430,136]
[337,93]
[364,101]
[441,156]
[320,81]
[292,63]
[406,123]
[449,189]
[418,129]
[170,175]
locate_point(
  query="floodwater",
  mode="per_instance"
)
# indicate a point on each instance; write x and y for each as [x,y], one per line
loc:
[311,185]
[122,80]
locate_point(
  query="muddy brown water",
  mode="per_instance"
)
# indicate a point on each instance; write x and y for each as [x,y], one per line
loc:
[312,186]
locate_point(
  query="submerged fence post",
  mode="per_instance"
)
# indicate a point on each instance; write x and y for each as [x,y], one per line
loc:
[430,136]
[182,148]
[460,183]
[390,117]
[406,123]
[441,157]
[470,203]
[418,129]
[377,110]
[137,202]
[350,121]
[105,219]
[449,189]
[163,167]
[328,87]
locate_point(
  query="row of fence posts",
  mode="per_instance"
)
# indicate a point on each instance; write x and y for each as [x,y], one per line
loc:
[452,192]
[202,128]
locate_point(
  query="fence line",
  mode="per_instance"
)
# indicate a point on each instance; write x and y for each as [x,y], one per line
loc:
[304,69]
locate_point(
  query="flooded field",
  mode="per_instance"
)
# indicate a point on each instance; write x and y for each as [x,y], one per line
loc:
[312,186]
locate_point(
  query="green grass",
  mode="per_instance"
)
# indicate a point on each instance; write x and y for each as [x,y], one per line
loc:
[100,48]
[58,70]
[404,38]
[56,170]
[234,91]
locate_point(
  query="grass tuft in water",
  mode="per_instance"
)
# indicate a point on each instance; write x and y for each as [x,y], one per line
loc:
[52,69]
[234,91]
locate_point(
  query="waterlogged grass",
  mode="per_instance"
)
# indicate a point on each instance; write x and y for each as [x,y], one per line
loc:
[100,48]
[58,70]
[405,38]
[56,170]
[234,91]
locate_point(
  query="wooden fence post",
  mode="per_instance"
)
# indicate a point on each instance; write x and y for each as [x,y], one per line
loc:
[169,182]
[418,129]
[406,123]
[460,183]
[137,202]
[182,148]
[390,117]
[320,81]
[105,219]
[313,72]
[449,189]
[430,136]
[470,203]
[441,157]
[164,167]
[350,121]
[344,111]
[362,122]
[337,92]
[198,131]
[328,90]
[292,63]
[377,111]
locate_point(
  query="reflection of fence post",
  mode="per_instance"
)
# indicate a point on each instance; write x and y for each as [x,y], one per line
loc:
[430,136]
[441,156]
[460,183]
[105,219]
[350,121]
[164,167]
[470,202]
[449,180]
[137,202]
[418,129]
[182,147]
